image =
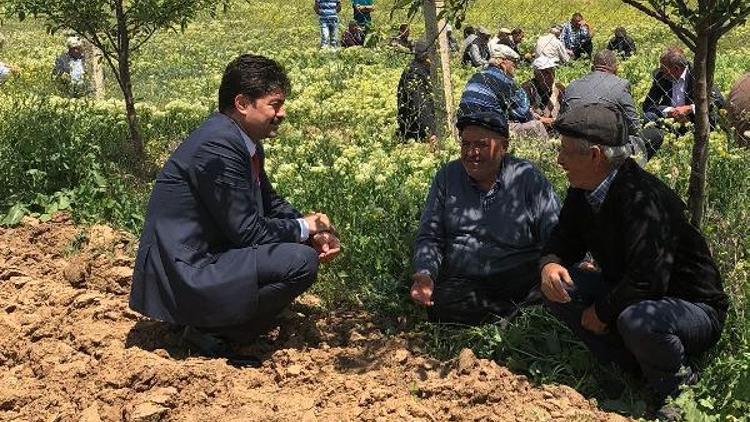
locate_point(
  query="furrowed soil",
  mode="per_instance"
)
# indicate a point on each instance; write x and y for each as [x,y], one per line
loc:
[71,350]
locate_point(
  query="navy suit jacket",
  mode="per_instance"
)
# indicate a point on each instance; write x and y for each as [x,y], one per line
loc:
[195,263]
[660,95]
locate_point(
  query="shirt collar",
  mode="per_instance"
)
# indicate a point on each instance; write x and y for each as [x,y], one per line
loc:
[597,196]
[249,143]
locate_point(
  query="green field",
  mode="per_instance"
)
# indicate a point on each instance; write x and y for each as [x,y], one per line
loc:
[337,153]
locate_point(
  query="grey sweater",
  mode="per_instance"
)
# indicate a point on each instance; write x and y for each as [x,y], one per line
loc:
[467,233]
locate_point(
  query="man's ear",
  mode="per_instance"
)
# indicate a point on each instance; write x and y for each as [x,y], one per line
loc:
[242,103]
[597,153]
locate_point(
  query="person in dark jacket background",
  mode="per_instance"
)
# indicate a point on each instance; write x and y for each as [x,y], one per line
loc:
[221,253]
[658,298]
[621,43]
[416,107]
[671,93]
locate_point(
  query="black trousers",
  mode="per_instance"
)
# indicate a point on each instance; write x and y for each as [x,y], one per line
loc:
[586,47]
[476,301]
[285,271]
[653,337]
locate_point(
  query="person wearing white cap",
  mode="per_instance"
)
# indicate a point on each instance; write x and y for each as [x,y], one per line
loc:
[545,94]
[70,68]
[549,45]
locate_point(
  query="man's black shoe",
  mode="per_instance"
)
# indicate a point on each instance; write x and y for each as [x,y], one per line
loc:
[211,346]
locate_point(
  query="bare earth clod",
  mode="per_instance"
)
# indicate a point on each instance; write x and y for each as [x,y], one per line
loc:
[71,350]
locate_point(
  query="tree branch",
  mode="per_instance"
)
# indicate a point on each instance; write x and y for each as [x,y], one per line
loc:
[685,36]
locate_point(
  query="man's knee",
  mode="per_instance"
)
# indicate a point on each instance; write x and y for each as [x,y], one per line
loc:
[636,325]
[305,263]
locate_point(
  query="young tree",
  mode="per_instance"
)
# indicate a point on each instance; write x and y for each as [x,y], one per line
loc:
[699,24]
[118,28]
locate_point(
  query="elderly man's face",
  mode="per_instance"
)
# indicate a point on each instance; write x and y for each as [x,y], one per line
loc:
[482,151]
[579,164]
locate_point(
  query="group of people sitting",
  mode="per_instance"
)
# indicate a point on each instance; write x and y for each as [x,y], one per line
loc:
[563,42]
[534,104]
[222,254]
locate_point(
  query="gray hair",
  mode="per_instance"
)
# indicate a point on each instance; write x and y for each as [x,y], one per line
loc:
[615,155]
[605,60]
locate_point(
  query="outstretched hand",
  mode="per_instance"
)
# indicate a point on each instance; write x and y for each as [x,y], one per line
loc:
[318,222]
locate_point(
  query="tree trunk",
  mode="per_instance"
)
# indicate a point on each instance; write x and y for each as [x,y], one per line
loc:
[123,59]
[442,90]
[94,68]
[703,69]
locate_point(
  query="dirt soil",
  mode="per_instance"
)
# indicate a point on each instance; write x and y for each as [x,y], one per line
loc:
[71,350]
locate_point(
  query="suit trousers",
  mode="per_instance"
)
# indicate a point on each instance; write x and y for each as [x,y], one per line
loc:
[652,337]
[284,271]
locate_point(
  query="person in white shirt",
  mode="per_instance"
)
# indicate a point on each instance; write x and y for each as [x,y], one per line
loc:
[550,46]
[70,68]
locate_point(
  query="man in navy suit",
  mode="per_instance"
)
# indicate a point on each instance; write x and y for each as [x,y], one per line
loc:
[671,93]
[221,253]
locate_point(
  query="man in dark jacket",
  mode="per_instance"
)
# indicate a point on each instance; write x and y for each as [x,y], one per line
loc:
[221,252]
[477,52]
[671,93]
[416,108]
[658,298]
[621,43]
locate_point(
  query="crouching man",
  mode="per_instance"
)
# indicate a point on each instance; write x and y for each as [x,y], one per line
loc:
[658,299]
[221,252]
[486,219]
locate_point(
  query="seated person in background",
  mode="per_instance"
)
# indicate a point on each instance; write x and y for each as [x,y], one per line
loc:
[70,69]
[402,41]
[477,53]
[738,106]
[483,226]
[576,36]
[221,253]
[353,36]
[470,34]
[657,299]
[5,69]
[544,93]
[621,43]
[671,93]
[516,37]
[502,37]
[549,45]
[416,107]
[494,89]
[603,85]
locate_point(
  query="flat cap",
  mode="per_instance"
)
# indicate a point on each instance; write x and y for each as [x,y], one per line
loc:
[599,123]
[502,51]
[490,120]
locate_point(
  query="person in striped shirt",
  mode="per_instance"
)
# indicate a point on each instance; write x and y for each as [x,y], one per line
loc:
[327,11]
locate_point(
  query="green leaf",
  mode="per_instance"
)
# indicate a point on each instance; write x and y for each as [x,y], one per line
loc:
[14,215]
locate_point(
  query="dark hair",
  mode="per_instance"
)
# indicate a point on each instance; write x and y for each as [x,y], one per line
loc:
[469,30]
[620,32]
[253,76]
[577,16]
[674,57]
[516,31]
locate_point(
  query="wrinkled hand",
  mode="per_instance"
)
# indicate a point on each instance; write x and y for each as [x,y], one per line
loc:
[327,245]
[547,121]
[590,321]
[318,222]
[554,279]
[421,289]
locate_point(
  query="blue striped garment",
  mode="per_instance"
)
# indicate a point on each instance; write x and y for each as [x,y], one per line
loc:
[328,8]
[492,90]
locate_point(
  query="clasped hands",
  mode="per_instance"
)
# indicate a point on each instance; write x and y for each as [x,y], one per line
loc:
[555,277]
[679,113]
[322,236]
